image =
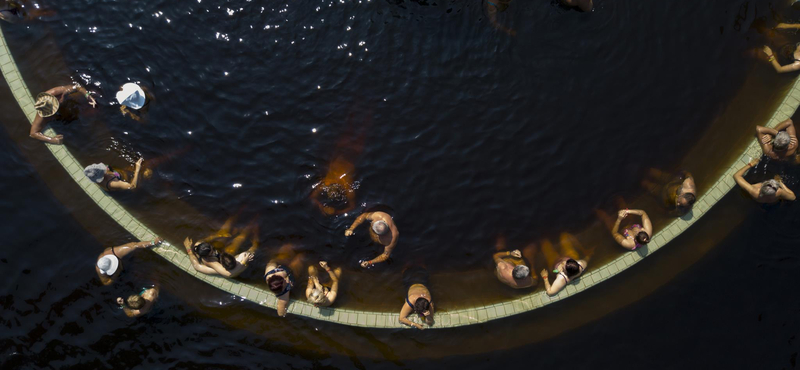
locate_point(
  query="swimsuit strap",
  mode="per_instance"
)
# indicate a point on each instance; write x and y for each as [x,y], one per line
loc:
[275,271]
[144,289]
[409,303]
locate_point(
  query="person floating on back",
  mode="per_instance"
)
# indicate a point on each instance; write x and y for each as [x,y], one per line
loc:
[780,142]
[322,295]
[382,231]
[139,304]
[418,298]
[47,104]
[109,263]
[766,192]
[111,180]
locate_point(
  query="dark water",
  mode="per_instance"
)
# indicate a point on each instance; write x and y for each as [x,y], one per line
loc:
[462,132]
[479,134]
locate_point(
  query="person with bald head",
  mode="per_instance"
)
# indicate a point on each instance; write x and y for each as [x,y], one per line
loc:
[382,231]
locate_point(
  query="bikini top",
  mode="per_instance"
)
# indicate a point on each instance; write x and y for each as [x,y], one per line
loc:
[626,233]
[580,271]
[289,281]
[116,177]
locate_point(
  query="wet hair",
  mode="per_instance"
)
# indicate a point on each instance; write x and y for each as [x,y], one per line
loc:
[227,261]
[642,237]
[421,305]
[572,268]
[135,301]
[275,283]
[768,188]
[380,227]
[204,249]
[521,272]
[316,297]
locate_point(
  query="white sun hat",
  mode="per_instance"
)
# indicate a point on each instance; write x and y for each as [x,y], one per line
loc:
[131,96]
[108,264]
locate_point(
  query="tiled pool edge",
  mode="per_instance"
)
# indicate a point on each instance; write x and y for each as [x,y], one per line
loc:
[444,319]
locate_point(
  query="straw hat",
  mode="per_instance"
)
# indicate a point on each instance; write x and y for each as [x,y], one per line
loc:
[131,96]
[46,104]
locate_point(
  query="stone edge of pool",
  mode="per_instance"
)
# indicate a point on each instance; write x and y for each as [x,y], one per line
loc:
[444,319]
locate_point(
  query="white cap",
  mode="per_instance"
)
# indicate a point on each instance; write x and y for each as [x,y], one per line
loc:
[108,265]
[131,96]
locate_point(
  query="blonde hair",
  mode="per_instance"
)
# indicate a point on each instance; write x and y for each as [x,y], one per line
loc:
[316,297]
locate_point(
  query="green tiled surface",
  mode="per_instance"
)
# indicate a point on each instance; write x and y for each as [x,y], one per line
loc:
[444,319]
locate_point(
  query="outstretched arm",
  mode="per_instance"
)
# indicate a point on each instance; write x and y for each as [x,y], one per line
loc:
[359,220]
[787,26]
[283,304]
[778,67]
[135,181]
[36,132]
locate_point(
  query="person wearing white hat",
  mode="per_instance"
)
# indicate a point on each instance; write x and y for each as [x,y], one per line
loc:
[132,97]
[109,263]
[382,231]
[46,106]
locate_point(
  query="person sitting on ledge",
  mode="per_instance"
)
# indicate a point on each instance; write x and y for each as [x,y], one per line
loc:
[632,236]
[766,192]
[511,269]
[382,231]
[139,304]
[320,295]
[46,106]
[778,143]
[565,269]
[109,263]
[795,66]
[583,5]
[279,277]
[418,297]
[677,192]
[210,261]
[111,180]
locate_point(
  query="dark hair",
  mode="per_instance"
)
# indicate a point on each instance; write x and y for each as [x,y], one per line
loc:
[227,261]
[421,305]
[204,249]
[135,301]
[642,237]
[275,283]
[690,199]
[571,267]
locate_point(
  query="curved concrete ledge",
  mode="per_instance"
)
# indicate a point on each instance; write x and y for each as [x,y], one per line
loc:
[444,318]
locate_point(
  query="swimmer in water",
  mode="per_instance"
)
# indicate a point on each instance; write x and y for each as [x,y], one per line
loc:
[322,295]
[208,260]
[334,195]
[633,236]
[510,267]
[111,180]
[766,192]
[382,231]
[583,5]
[47,104]
[678,192]
[109,263]
[134,100]
[794,66]
[418,298]
[139,304]
[566,265]
[778,143]
[280,276]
